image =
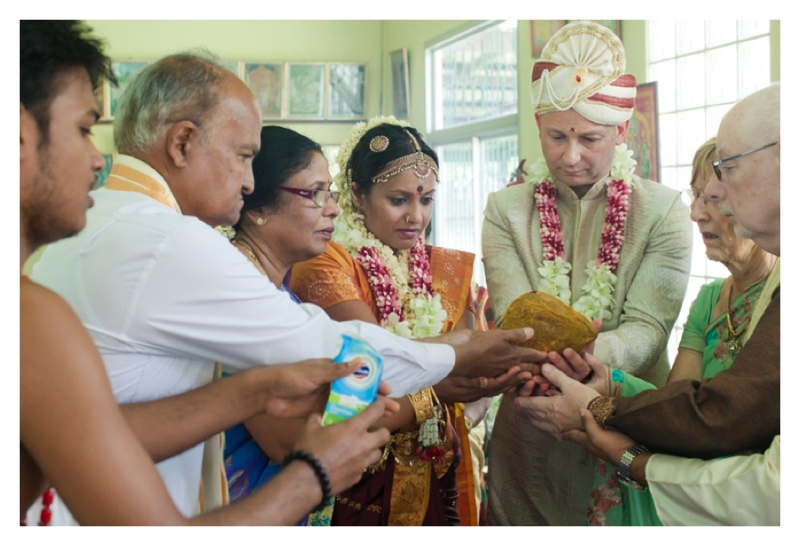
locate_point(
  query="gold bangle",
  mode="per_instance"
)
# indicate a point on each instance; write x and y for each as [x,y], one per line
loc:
[422,402]
[381,464]
[601,408]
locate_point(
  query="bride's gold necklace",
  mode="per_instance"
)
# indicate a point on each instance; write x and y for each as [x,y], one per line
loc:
[249,252]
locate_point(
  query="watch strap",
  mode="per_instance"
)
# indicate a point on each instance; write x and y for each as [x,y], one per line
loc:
[624,466]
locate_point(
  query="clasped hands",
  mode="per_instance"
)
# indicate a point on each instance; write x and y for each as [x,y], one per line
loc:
[552,400]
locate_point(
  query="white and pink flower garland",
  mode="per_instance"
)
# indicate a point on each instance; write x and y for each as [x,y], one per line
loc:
[422,315]
[596,297]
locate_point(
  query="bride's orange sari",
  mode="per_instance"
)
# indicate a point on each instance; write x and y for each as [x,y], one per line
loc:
[415,493]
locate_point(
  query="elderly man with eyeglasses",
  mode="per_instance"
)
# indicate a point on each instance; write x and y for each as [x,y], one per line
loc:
[735,412]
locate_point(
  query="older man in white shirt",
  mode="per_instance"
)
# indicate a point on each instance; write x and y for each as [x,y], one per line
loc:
[164,296]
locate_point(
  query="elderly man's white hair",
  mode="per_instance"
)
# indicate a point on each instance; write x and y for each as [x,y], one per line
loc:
[184,86]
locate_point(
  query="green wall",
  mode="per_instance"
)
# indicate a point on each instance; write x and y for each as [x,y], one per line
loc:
[298,41]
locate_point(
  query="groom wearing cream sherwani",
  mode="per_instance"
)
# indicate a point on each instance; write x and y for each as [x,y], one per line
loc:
[546,235]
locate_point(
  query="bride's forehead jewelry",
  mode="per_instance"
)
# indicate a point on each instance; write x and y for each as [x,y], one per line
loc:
[379,143]
[422,164]
[419,189]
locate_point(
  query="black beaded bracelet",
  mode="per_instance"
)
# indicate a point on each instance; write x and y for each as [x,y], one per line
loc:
[322,476]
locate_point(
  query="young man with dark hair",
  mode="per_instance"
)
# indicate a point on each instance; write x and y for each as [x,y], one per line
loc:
[73,435]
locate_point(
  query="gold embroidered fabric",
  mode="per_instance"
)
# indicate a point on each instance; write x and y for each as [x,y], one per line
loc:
[451,273]
[331,278]
[410,494]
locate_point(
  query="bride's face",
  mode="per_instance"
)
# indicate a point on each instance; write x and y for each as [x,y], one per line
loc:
[398,211]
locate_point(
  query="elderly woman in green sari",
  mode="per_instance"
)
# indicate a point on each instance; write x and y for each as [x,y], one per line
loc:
[716,328]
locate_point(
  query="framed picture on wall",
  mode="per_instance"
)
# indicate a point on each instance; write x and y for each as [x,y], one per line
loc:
[346,85]
[305,90]
[400,84]
[124,71]
[541,32]
[266,82]
[642,135]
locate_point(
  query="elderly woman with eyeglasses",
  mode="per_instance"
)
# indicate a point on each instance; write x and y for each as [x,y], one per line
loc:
[720,315]
[714,332]
[287,219]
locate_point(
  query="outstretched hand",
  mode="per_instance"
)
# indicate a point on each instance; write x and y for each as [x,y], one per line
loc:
[345,449]
[296,390]
[488,354]
[557,414]
[606,444]
[469,389]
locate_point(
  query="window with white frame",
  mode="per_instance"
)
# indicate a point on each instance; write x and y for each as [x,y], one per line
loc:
[471,97]
[702,69]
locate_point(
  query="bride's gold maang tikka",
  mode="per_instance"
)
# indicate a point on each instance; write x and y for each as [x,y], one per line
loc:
[421,163]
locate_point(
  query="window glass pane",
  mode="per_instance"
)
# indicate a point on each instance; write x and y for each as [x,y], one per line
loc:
[662,39]
[683,177]
[455,222]
[691,93]
[716,269]
[669,176]
[498,165]
[720,68]
[690,125]
[499,161]
[753,66]
[748,29]
[330,153]
[714,115]
[477,77]
[666,128]
[698,253]
[664,74]
[720,31]
[690,36]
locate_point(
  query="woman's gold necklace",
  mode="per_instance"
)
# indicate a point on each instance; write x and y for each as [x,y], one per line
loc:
[734,345]
[249,252]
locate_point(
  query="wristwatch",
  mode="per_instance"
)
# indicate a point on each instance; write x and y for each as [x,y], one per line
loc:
[624,466]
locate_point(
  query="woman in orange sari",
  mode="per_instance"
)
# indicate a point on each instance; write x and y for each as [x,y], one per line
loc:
[378,269]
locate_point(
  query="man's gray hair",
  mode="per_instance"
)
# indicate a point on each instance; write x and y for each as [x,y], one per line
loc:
[184,86]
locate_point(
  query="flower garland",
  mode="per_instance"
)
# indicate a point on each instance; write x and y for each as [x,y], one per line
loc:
[596,297]
[400,281]
[401,285]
